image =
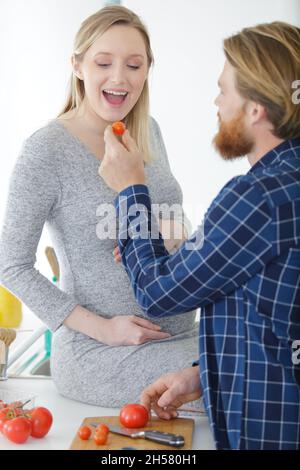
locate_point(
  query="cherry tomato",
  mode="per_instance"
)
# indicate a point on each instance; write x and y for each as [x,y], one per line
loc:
[84,433]
[100,438]
[17,429]
[41,419]
[119,128]
[102,428]
[4,416]
[134,416]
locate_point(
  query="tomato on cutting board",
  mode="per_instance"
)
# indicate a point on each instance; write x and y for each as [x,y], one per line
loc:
[134,416]
[84,433]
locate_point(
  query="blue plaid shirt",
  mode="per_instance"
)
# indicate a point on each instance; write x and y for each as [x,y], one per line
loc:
[245,276]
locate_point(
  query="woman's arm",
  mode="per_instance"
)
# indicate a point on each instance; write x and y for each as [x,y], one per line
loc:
[121,330]
[34,190]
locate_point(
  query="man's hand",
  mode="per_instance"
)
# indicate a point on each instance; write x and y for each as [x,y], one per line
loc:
[171,391]
[122,165]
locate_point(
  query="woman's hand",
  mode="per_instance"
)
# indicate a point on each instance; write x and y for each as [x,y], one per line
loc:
[171,391]
[131,330]
[122,330]
[173,233]
[122,165]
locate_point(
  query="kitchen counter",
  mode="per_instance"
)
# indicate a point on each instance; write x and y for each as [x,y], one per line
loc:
[68,415]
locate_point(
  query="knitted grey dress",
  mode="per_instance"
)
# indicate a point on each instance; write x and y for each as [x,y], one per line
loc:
[55,182]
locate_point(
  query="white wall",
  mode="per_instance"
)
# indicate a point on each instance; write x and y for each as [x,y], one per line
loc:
[187,42]
[36,38]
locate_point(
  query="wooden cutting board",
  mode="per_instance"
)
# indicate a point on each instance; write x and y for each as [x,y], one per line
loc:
[182,426]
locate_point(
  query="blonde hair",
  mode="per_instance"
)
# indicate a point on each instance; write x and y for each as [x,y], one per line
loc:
[266,59]
[137,121]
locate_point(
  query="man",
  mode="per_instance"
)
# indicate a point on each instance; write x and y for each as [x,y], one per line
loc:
[246,274]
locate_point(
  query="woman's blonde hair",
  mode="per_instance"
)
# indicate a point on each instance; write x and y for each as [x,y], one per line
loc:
[137,121]
[266,59]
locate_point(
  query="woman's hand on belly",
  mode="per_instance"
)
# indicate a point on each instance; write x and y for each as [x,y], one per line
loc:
[131,330]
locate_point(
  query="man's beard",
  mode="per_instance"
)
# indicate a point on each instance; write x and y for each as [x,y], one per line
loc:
[232,140]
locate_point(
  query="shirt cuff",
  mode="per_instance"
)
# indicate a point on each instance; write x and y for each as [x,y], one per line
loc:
[137,194]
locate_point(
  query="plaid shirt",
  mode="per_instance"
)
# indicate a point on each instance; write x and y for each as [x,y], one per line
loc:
[245,276]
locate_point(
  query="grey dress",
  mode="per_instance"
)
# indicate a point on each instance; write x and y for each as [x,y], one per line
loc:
[55,182]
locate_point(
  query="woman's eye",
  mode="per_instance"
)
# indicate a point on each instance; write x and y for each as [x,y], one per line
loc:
[133,67]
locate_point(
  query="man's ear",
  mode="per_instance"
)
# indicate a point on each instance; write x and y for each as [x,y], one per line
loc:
[76,68]
[256,113]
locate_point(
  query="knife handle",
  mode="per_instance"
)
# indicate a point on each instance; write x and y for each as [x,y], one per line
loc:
[164,438]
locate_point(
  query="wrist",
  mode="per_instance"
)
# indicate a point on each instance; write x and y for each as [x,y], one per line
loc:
[99,329]
[128,184]
[88,323]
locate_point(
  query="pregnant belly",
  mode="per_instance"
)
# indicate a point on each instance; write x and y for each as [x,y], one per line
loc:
[110,296]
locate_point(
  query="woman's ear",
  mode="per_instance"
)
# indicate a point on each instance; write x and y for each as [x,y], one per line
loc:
[76,68]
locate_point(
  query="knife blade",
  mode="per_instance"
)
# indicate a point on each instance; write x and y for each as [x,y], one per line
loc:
[165,438]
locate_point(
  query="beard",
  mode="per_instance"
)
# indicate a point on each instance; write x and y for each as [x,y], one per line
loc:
[232,140]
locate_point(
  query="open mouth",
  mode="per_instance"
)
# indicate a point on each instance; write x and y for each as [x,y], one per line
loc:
[115,98]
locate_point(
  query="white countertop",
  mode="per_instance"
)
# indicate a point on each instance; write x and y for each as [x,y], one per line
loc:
[68,415]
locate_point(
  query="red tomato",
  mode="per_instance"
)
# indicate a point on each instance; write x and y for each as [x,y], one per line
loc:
[134,416]
[119,128]
[41,419]
[17,429]
[3,418]
[102,428]
[100,438]
[84,433]
[5,415]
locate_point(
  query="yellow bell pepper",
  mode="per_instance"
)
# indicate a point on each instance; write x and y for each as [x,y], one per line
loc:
[10,309]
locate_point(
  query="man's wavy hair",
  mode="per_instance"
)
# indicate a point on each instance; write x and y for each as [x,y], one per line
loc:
[266,59]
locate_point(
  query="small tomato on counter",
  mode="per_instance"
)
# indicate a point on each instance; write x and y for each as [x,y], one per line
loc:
[41,419]
[17,429]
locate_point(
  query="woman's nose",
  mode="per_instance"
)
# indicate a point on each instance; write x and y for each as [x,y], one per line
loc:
[118,75]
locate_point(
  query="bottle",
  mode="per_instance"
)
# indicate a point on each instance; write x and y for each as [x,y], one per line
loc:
[10,309]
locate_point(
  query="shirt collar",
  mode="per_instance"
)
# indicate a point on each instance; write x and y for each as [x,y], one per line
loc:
[277,154]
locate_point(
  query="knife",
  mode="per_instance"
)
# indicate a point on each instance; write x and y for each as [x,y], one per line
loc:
[156,436]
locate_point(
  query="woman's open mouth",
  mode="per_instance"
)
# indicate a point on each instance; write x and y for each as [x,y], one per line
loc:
[115,98]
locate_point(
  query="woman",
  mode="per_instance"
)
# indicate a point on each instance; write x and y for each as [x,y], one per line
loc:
[104,350]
